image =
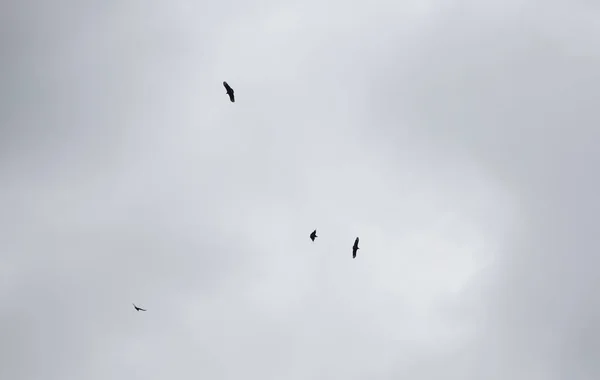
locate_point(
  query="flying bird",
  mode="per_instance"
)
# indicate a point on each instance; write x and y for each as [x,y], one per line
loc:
[229,92]
[313,235]
[138,308]
[355,248]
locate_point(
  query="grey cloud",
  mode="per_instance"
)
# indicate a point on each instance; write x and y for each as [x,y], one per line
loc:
[457,140]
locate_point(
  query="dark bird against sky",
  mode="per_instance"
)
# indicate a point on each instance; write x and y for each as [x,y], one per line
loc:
[313,235]
[355,248]
[229,92]
[138,308]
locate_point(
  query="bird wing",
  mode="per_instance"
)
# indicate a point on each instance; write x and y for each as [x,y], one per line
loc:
[231,97]
[226,86]
[142,309]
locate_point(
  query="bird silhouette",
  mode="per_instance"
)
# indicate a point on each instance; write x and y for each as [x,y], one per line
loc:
[229,92]
[138,308]
[313,235]
[355,248]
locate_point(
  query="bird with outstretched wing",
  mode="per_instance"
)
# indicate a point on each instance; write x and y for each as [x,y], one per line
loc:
[229,92]
[138,308]
[355,248]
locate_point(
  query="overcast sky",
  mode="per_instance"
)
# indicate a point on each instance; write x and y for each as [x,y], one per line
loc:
[458,139]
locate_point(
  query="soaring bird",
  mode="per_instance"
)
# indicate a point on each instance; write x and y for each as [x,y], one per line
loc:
[138,308]
[313,235]
[355,248]
[229,92]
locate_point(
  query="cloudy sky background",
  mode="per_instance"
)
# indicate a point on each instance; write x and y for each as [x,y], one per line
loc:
[458,139]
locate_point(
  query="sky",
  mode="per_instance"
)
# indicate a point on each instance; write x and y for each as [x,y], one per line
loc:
[457,139]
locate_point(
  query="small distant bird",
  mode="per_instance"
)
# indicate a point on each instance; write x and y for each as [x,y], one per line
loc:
[313,235]
[138,308]
[229,92]
[355,248]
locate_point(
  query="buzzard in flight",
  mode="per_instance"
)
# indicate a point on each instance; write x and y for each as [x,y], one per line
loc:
[138,308]
[229,92]
[355,248]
